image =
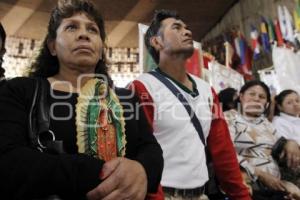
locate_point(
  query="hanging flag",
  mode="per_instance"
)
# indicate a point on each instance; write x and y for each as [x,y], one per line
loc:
[149,63]
[289,25]
[146,61]
[243,46]
[280,41]
[192,64]
[255,42]
[207,58]
[246,58]
[297,16]
[282,21]
[237,46]
[229,51]
[264,36]
[271,31]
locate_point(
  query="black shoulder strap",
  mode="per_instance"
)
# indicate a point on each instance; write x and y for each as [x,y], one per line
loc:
[39,118]
[43,107]
[195,121]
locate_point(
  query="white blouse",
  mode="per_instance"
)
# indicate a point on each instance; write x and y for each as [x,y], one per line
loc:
[288,126]
[253,140]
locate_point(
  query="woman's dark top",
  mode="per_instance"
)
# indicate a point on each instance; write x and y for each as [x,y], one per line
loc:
[26,173]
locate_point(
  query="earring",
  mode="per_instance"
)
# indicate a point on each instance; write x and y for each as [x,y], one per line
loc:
[53,53]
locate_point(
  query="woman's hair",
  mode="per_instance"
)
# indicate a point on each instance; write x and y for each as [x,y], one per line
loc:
[2,50]
[226,98]
[280,98]
[47,65]
[3,37]
[252,83]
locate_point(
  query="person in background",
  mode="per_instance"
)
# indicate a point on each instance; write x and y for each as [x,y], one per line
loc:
[287,124]
[170,43]
[228,98]
[287,113]
[255,139]
[109,151]
[2,50]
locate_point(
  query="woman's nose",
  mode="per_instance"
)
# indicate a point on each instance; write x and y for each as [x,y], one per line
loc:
[255,98]
[83,34]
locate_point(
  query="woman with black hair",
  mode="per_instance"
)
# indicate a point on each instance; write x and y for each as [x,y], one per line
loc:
[254,138]
[287,124]
[108,150]
[287,115]
[2,49]
[228,98]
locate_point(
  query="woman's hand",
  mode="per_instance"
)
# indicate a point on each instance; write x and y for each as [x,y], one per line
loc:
[123,179]
[293,190]
[269,180]
[292,154]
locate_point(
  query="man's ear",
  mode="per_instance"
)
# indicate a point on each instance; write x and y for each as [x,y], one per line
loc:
[51,47]
[156,42]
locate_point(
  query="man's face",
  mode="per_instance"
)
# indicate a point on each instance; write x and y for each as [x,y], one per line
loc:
[175,37]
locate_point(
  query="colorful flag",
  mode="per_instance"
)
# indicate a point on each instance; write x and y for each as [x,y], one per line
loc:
[255,42]
[229,51]
[149,63]
[271,31]
[237,46]
[192,64]
[280,41]
[297,15]
[264,35]
[289,25]
[246,58]
[282,21]
[207,58]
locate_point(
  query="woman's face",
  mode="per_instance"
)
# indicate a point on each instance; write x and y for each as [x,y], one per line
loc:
[253,101]
[78,44]
[291,104]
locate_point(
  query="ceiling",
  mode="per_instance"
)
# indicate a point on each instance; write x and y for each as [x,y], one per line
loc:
[29,18]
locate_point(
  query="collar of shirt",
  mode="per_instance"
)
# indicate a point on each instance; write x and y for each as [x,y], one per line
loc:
[193,93]
[252,120]
[290,117]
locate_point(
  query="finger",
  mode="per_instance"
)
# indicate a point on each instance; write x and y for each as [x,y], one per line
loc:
[280,186]
[93,194]
[108,185]
[283,186]
[117,194]
[109,167]
[289,196]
